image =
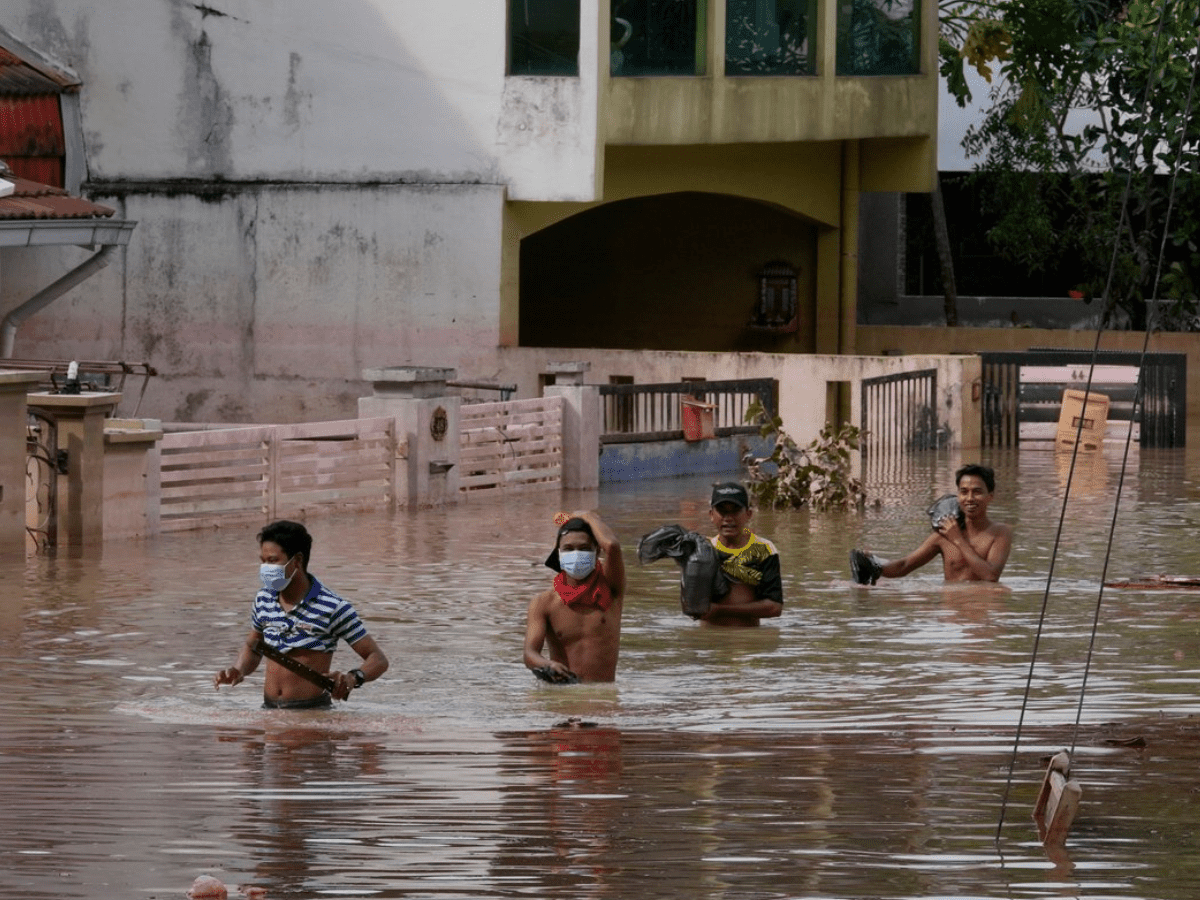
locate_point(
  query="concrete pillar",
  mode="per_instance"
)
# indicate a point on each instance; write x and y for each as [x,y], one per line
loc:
[581,424]
[13,458]
[79,419]
[969,405]
[426,417]
[132,478]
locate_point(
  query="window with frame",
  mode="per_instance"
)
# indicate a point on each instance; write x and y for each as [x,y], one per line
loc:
[777,307]
[878,37]
[543,37]
[657,37]
[770,37]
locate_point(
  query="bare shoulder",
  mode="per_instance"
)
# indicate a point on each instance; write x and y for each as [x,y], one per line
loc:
[541,602]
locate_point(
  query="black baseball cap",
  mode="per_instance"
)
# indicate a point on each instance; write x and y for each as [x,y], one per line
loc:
[730,492]
[574,524]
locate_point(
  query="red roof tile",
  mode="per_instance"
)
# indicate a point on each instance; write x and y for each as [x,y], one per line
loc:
[31,200]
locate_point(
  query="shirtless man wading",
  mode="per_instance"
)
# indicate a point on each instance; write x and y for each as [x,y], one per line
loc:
[573,629]
[976,554]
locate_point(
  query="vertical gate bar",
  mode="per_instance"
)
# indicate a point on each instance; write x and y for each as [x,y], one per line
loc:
[1012,428]
[886,418]
[985,382]
[897,410]
[864,417]
[933,405]
[1149,390]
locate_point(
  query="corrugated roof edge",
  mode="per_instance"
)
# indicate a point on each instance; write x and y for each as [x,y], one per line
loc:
[62,76]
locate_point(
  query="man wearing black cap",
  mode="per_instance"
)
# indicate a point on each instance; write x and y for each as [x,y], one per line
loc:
[750,562]
[578,620]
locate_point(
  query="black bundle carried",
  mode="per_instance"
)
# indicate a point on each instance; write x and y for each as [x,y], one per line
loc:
[946,505]
[550,675]
[865,568]
[700,577]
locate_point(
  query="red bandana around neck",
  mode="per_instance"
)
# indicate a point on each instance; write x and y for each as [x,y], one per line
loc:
[592,591]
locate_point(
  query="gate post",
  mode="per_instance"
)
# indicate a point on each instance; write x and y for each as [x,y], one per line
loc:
[13,413]
[580,425]
[426,419]
[80,423]
[132,478]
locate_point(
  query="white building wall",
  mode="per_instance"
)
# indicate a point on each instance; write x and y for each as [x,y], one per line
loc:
[548,132]
[301,89]
[318,188]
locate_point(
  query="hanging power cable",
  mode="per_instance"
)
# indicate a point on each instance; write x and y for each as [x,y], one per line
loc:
[1150,85]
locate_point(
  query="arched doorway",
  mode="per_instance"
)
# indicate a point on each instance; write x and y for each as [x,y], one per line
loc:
[680,271]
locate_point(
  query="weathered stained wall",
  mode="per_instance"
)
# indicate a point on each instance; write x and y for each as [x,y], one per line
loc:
[291,90]
[318,190]
[322,188]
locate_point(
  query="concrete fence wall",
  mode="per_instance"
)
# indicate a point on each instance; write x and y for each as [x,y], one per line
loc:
[805,380]
[901,339]
[126,479]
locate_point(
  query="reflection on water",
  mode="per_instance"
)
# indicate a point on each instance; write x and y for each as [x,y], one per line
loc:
[859,746]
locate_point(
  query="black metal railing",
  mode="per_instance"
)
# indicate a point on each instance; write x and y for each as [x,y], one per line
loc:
[899,414]
[655,412]
[1161,412]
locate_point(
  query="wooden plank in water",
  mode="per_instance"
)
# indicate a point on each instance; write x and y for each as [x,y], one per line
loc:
[1058,802]
[1158,582]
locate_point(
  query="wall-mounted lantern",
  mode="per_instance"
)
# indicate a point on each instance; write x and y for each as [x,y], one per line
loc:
[776,309]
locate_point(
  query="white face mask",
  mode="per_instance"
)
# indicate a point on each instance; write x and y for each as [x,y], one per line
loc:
[274,577]
[578,564]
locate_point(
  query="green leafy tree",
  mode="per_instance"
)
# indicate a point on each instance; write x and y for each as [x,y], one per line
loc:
[1090,142]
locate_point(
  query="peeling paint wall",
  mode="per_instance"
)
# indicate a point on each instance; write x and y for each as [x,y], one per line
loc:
[318,189]
[267,304]
[287,90]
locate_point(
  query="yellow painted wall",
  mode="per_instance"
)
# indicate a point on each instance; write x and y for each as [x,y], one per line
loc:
[803,181]
[721,110]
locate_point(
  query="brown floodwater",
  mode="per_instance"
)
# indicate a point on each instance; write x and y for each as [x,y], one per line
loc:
[861,746]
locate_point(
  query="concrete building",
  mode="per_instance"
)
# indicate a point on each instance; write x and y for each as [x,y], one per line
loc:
[320,189]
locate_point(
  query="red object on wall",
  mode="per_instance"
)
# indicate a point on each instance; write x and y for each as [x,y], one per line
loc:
[697,419]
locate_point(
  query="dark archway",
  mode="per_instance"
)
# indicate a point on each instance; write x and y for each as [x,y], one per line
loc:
[671,272]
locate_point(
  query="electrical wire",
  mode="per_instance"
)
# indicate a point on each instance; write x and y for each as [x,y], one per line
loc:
[1150,84]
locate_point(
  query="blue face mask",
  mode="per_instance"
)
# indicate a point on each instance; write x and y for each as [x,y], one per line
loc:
[274,577]
[577,564]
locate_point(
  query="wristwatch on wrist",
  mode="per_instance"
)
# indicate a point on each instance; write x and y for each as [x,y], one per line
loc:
[359,677]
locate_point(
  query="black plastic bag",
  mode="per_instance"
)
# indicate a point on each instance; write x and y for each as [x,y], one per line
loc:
[700,577]
[946,505]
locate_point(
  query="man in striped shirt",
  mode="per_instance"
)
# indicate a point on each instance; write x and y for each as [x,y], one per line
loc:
[301,618]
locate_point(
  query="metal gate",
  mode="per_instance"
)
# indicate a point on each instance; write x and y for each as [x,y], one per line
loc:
[44,462]
[899,414]
[1161,412]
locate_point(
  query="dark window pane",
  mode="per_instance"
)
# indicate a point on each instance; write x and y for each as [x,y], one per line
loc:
[657,37]
[878,37]
[979,270]
[543,37]
[769,37]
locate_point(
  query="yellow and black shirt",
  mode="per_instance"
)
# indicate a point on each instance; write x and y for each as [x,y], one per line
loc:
[756,564]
